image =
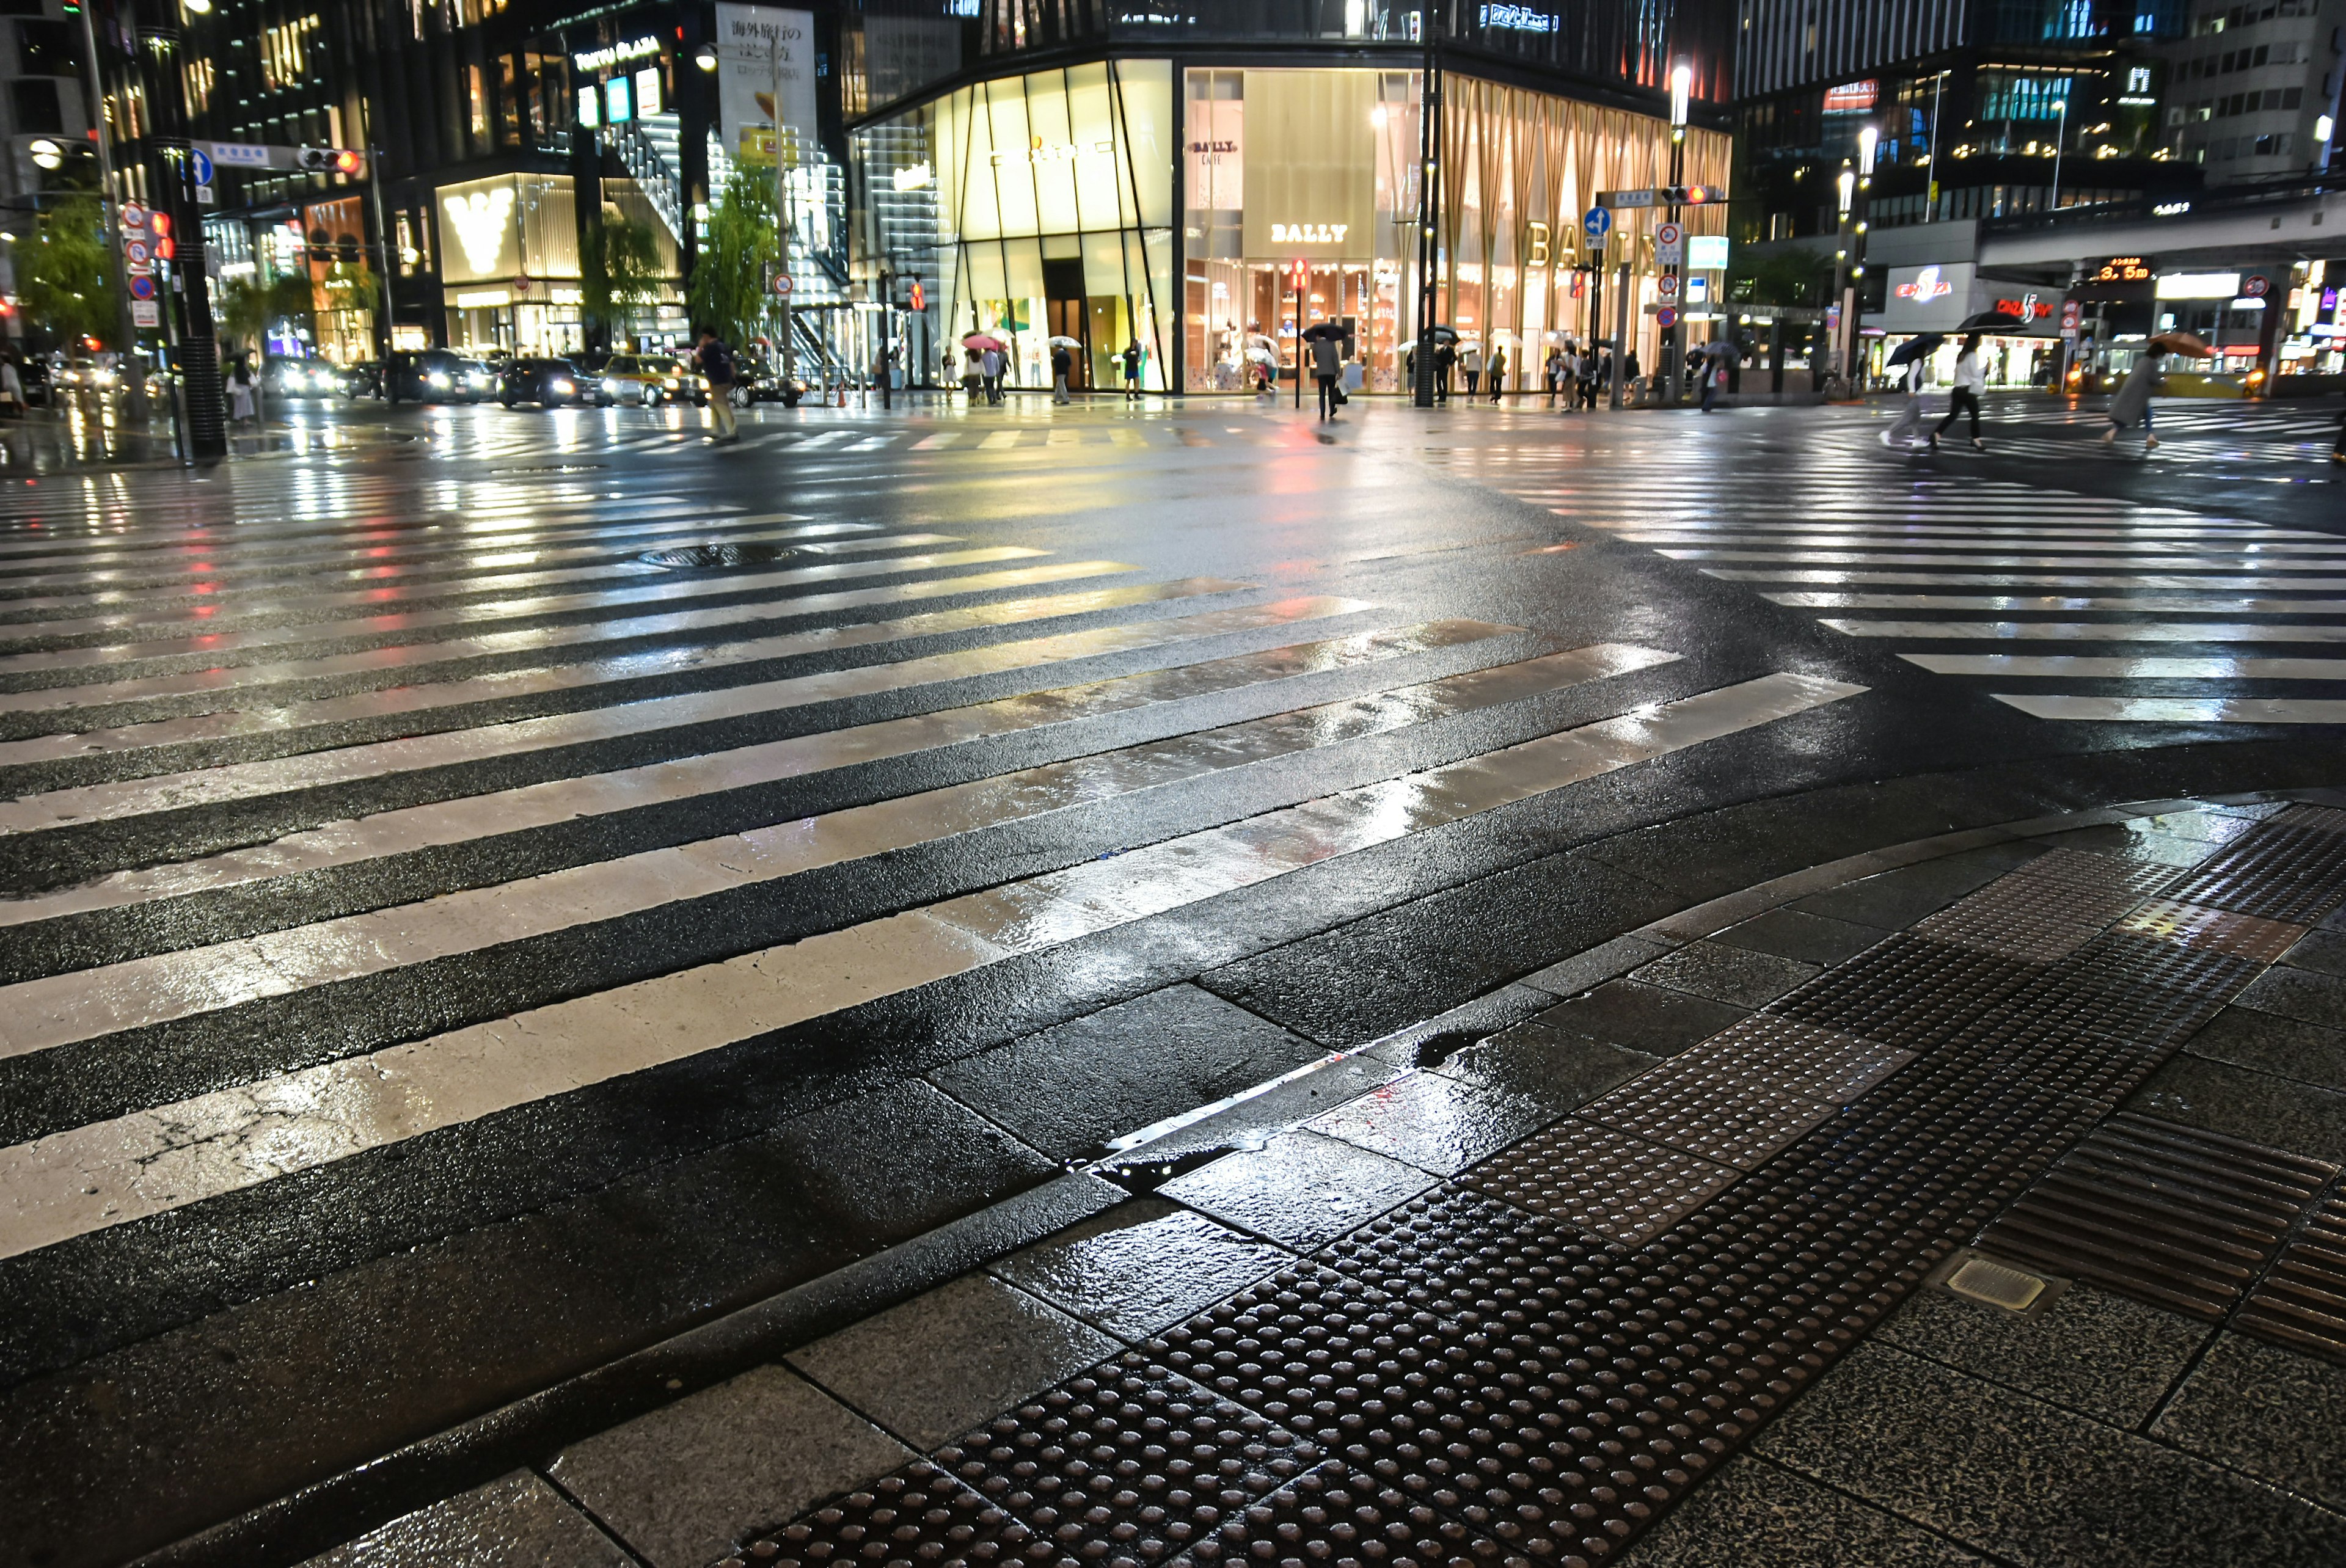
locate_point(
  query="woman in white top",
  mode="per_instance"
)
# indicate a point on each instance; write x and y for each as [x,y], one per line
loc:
[1964,397]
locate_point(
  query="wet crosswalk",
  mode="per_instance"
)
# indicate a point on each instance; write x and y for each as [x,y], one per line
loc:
[326,836]
[2090,607]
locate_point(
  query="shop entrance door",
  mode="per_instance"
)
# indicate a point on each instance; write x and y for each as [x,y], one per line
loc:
[1062,286]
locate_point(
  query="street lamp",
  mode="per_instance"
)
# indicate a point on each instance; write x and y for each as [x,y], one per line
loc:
[1673,338]
[705,56]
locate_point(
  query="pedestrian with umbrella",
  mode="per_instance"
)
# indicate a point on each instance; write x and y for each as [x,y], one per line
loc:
[1713,369]
[1963,398]
[1497,374]
[1324,346]
[990,362]
[1912,354]
[1063,366]
[2131,404]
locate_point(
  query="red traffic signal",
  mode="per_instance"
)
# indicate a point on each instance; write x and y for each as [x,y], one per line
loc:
[919,298]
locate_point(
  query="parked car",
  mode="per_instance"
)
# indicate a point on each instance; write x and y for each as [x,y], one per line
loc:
[363,378]
[650,380]
[549,383]
[480,382]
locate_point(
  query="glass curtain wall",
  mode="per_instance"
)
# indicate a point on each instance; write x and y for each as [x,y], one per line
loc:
[1053,217]
[1523,168]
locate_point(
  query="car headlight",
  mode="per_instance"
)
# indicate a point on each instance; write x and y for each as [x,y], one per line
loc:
[561,386]
[610,383]
[439,378]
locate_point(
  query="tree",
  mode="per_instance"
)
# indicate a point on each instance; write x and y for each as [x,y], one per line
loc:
[619,272]
[245,308]
[65,278]
[1800,275]
[728,280]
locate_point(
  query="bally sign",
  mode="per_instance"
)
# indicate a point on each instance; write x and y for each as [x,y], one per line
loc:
[1309,233]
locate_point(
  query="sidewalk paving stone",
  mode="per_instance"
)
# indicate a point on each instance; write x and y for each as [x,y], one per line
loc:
[1436,1122]
[683,1483]
[1300,1190]
[1753,1513]
[2275,1414]
[2248,1104]
[2285,1047]
[1558,1068]
[515,1519]
[1723,973]
[1141,1268]
[2093,1351]
[945,1361]
[1798,934]
[1647,1018]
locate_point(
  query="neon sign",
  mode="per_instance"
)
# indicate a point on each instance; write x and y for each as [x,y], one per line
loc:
[1927,286]
[611,55]
[480,222]
[1309,233]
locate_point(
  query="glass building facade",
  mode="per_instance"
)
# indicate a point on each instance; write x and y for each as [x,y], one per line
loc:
[1208,212]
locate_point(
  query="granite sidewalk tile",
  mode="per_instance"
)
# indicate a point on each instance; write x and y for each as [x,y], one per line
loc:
[515,1519]
[2092,1351]
[1141,1268]
[1301,1190]
[2277,1415]
[1754,1514]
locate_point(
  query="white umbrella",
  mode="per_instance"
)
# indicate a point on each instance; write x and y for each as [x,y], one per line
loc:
[1257,341]
[1262,356]
[1066,343]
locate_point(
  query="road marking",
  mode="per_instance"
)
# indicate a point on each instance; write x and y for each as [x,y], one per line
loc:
[1892,558]
[506,684]
[507,609]
[83,1004]
[379,759]
[2074,667]
[2182,710]
[1001,438]
[2023,580]
[2093,632]
[156,1160]
[944,438]
[2213,604]
[224,684]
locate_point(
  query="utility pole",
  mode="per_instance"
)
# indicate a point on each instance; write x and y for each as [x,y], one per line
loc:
[1845,186]
[1853,310]
[1428,205]
[389,308]
[173,182]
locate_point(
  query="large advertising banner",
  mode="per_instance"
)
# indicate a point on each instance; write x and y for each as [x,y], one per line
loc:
[765,64]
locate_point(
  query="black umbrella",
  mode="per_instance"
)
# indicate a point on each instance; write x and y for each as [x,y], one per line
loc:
[1441,334]
[1987,318]
[1324,329]
[1915,348]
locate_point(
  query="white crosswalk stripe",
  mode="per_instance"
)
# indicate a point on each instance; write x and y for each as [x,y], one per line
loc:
[539,741]
[1862,532]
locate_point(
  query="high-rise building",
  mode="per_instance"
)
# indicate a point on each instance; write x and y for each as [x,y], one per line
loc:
[2253,89]
[45,116]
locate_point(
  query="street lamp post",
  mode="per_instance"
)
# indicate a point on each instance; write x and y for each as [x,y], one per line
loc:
[2060,138]
[1845,186]
[1429,204]
[1853,309]
[1673,338]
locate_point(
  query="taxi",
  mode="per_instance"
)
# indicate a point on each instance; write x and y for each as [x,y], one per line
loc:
[649,379]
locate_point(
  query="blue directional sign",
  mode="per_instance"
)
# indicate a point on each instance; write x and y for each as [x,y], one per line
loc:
[1597,221]
[200,165]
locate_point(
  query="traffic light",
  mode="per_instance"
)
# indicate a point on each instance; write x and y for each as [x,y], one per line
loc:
[331,160]
[919,299]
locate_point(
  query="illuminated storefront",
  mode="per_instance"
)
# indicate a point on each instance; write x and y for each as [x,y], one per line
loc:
[509,263]
[1044,205]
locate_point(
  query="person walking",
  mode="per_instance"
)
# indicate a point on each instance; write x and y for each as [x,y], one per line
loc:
[1470,359]
[239,391]
[1963,398]
[11,387]
[1554,374]
[1497,374]
[1132,363]
[1910,419]
[716,362]
[1327,368]
[1063,366]
[990,366]
[2132,403]
[1445,357]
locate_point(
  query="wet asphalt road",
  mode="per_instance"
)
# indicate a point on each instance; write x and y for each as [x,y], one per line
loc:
[458,935]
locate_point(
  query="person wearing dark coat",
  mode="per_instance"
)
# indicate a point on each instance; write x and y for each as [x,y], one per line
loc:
[2131,405]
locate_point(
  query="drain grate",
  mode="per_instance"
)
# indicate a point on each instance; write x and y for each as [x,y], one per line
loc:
[2301,1301]
[716,557]
[2168,1214]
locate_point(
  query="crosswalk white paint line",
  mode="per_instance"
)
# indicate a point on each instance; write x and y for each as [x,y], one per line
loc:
[944,438]
[117,801]
[153,1161]
[2210,603]
[506,684]
[314,609]
[83,1004]
[2214,582]
[473,525]
[2096,631]
[1957,551]
[226,684]
[2182,710]
[2073,666]
[467,818]
[673,587]
[2219,561]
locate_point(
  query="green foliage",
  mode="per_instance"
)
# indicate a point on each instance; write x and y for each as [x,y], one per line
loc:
[728,280]
[1800,275]
[618,271]
[65,276]
[244,308]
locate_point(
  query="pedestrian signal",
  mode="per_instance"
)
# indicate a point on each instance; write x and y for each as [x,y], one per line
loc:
[919,298]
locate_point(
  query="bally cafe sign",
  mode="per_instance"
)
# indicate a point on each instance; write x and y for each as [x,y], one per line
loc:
[1938,298]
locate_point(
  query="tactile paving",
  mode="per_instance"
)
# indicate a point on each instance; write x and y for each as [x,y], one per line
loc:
[1909,992]
[1457,1254]
[1601,1180]
[2136,988]
[2302,1301]
[1126,1462]
[2168,1214]
[919,1517]
[1773,1052]
[1715,1113]
[2046,909]
[2279,873]
[1335,1517]
[2248,937]
[2310,818]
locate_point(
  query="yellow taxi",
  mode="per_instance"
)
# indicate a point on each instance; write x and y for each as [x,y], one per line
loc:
[649,379]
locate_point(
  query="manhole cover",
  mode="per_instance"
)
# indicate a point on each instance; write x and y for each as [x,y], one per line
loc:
[552,468]
[716,557]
